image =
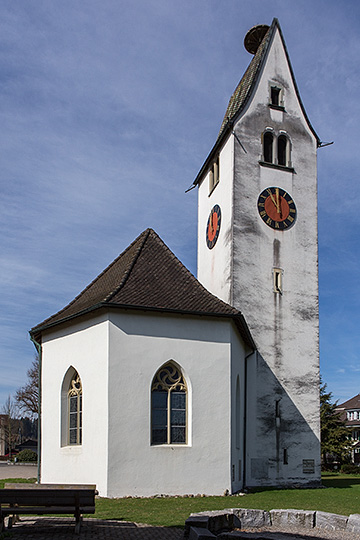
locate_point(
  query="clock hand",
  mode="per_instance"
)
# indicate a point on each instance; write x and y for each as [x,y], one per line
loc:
[272,198]
[278,202]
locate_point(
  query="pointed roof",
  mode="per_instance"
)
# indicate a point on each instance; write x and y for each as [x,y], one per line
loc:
[147,276]
[244,91]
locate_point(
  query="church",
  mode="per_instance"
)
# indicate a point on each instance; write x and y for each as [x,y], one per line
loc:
[154,381]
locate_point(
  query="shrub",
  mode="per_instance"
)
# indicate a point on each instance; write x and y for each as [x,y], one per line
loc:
[350,468]
[27,456]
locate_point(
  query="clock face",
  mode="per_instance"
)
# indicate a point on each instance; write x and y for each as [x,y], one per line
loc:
[213,226]
[276,208]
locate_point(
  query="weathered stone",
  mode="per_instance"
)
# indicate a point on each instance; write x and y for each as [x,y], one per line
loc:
[199,533]
[298,518]
[353,523]
[251,518]
[330,522]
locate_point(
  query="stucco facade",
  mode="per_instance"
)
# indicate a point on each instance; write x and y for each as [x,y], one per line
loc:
[283,424]
[117,356]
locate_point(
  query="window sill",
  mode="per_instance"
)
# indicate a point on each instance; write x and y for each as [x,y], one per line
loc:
[275,166]
[277,107]
[185,445]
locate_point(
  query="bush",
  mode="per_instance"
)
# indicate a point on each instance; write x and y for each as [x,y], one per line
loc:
[350,468]
[26,456]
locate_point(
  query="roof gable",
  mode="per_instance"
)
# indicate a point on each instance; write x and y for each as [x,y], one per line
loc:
[244,92]
[148,276]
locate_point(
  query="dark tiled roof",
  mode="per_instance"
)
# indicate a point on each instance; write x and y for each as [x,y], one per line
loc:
[353,403]
[147,275]
[243,89]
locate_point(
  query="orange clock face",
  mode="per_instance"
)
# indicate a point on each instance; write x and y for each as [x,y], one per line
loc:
[276,208]
[213,226]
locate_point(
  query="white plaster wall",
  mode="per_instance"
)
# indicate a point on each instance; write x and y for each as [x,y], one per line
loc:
[85,347]
[285,328]
[238,353]
[139,346]
[214,265]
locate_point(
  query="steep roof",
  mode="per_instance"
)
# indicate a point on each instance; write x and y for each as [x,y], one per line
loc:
[244,91]
[147,276]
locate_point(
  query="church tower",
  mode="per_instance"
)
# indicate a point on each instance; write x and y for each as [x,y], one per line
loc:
[258,251]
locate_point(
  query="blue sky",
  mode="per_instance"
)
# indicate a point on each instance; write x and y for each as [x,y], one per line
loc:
[108,110]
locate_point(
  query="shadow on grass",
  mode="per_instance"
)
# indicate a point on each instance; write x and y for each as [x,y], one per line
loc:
[334,482]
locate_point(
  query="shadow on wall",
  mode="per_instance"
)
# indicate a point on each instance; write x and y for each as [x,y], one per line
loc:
[281,444]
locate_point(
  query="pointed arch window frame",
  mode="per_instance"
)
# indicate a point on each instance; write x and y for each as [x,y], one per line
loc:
[169,406]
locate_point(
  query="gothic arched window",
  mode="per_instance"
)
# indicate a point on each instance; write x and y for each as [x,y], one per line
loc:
[75,410]
[268,143]
[168,406]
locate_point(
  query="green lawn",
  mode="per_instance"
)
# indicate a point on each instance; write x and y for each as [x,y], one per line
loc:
[341,496]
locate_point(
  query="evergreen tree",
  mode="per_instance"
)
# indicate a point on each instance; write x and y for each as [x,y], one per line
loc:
[334,434]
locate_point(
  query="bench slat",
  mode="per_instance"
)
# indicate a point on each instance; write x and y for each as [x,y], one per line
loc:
[8,511]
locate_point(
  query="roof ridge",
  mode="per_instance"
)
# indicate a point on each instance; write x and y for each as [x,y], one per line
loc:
[127,273]
[191,275]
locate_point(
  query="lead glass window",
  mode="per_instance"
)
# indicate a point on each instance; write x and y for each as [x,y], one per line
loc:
[168,406]
[75,410]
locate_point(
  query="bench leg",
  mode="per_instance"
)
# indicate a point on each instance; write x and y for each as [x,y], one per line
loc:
[78,524]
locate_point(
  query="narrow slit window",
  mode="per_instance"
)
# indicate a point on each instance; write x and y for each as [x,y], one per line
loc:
[268,147]
[275,95]
[282,145]
[277,276]
[214,175]
[286,457]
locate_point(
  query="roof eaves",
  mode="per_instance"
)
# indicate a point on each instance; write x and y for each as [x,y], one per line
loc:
[236,316]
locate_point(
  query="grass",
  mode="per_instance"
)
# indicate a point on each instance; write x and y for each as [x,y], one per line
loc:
[342,496]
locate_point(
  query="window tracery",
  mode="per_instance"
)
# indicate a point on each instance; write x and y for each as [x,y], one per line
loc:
[75,410]
[168,406]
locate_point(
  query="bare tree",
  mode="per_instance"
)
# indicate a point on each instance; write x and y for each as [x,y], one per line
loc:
[9,430]
[27,397]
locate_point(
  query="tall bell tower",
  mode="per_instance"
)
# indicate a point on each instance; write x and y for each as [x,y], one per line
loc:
[258,250]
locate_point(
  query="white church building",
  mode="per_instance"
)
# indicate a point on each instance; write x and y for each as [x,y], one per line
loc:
[153,381]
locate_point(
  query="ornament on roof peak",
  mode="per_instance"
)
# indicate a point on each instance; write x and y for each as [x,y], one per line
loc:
[254,37]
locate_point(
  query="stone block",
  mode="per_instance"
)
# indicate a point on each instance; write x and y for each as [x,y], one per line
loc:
[251,518]
[293,518]
[199,533]
[330,522]
[353,523]
[195,520]
[221,521]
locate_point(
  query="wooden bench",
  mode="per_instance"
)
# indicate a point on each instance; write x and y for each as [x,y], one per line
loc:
[39,499]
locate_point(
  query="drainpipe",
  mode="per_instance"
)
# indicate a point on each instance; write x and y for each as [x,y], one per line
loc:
[39,351]
[245,415]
